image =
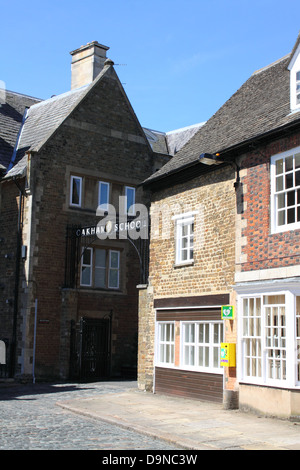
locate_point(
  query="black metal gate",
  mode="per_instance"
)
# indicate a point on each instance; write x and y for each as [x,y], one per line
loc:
[90,350]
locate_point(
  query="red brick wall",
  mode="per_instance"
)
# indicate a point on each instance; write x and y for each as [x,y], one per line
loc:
[264,250]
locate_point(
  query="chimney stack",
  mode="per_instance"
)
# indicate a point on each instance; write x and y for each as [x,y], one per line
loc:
[87,63]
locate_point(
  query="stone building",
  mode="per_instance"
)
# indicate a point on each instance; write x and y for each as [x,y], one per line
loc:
[69,304]
[225,232]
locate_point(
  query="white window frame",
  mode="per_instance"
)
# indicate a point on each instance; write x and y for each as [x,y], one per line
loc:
[108,268]
[103,205]
[279,197]
[192,348]
[297,88]
[294,68]
[164,346]
[291,357]
[90,266]
[129,210]
[184,220]
[79,178]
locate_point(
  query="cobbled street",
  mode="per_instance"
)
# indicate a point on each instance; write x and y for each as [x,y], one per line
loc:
[31,420]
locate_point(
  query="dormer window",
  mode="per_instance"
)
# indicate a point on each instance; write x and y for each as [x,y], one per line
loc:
[298,88]
[294,69]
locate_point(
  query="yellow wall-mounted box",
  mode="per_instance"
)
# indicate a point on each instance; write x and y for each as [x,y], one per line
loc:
[227,358]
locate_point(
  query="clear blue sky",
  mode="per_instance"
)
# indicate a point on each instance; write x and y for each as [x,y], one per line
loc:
[180,60]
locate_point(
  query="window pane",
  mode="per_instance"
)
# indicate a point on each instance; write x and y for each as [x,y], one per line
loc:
[206,333]
[113,278]
[114,259]
[281,218]
[279,183]
[76,190]
[291,216]
[100,276]
[289,180]
[184,255]
[130,201]
[103,193]
[216,357]
[100,258]
[274,299]
[216,333]
[201,356]
[184,243]
[291,198]
[281,201]
[297,160]
[86,256]
[279,167]
[289,163]
[185,230]
[86,275]
[201,333]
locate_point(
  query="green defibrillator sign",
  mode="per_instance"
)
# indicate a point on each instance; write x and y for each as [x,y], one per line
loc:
[227,312]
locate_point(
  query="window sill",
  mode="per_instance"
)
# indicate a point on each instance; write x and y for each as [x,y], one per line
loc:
[99,290]
[184,264]
[285,228]
[279,385]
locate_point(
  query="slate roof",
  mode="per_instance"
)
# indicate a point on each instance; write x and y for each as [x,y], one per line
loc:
[170,143]
[261,105]
[41,121]
[12,109]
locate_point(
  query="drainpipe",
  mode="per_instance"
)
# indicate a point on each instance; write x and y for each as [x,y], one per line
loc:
[17,281]
[215,159]
[22,194]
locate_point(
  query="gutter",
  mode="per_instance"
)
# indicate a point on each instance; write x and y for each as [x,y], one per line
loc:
[233,151]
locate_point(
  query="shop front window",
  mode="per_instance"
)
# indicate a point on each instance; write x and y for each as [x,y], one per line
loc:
[270,339]
[201,343]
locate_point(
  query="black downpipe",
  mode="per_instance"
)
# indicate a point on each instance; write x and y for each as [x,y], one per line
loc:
[16,293]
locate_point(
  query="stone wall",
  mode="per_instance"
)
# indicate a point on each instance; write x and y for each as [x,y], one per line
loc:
[212,199]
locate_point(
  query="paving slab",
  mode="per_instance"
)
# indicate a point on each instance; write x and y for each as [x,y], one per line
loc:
[189,424]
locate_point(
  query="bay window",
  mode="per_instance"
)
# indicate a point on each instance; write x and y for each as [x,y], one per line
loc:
[270,339]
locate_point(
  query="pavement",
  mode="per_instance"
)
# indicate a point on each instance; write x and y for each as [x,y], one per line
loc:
[186,423]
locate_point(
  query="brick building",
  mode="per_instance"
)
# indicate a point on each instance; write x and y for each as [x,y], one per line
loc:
[68,295]
[228,233]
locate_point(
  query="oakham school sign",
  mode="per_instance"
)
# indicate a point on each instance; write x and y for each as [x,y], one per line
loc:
[131,230]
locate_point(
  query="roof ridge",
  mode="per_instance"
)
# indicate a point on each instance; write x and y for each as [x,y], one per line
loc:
[271,65]
[21,94]
[186,128]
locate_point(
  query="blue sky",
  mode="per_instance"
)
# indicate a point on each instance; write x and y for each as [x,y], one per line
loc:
[179,61]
